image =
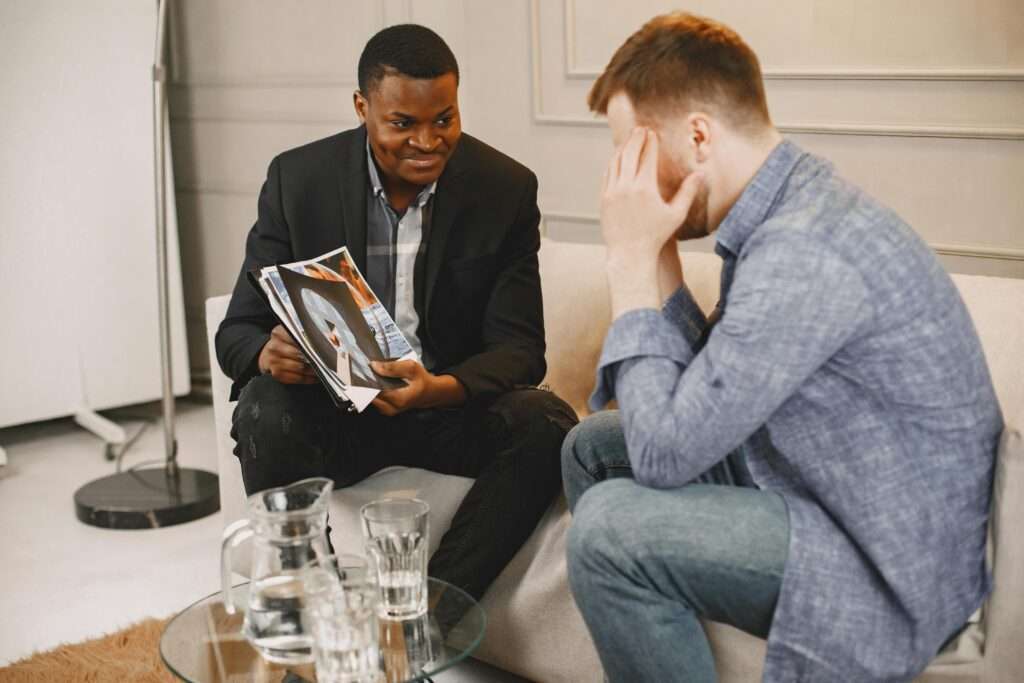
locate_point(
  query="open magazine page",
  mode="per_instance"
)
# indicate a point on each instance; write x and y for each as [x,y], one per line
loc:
[338,266]
[339,323]
[277,295]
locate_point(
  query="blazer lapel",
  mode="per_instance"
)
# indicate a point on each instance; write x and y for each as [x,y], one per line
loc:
[447,201]
[352,186]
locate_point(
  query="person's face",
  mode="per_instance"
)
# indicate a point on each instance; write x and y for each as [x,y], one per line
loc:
[413,126]
[676,159]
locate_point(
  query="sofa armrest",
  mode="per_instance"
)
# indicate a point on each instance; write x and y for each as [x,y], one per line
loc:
[232,493]
[1004,611]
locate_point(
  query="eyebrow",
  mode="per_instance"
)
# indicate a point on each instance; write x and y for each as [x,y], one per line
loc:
[402,115]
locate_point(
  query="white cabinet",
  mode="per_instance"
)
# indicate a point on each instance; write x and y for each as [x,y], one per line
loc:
[78,290]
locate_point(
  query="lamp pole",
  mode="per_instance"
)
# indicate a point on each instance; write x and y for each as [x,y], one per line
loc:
[154,497]
[167,381]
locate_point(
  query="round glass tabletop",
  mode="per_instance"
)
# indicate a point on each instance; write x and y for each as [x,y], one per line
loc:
[205,644]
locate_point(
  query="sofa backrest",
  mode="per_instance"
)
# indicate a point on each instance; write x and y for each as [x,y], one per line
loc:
[577,311]
[577,314]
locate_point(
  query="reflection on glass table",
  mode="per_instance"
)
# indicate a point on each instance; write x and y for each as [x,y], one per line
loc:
[204,644]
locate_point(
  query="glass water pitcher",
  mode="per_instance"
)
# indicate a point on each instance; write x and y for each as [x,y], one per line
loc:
[287,526]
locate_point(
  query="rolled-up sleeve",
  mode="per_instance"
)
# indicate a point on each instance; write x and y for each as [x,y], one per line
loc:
[643,333]
[791,306]
[682,310]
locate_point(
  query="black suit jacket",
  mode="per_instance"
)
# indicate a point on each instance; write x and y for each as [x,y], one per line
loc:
[479,301]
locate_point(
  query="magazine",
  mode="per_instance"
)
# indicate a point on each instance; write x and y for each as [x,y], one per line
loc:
[338,322]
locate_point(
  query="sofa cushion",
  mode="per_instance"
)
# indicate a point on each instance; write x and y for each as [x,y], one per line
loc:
[577,311]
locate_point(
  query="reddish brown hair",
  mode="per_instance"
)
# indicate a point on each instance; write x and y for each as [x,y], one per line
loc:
[688,62]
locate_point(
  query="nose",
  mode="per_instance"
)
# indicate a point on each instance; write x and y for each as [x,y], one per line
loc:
[424,140]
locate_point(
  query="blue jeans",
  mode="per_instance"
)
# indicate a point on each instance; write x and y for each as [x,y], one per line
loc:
[645,564]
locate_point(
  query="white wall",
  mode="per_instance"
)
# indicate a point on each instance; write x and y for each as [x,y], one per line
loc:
[78,288]
[920,102]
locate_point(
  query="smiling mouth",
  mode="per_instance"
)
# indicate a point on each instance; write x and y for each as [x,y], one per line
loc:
[424,161]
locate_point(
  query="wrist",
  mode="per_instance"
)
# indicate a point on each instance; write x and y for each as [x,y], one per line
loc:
[670,271]
[633,285]
[443,391]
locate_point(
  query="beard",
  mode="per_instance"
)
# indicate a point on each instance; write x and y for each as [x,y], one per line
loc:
[695,225]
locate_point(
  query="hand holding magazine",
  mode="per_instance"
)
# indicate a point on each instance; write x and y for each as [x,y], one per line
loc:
[338,322]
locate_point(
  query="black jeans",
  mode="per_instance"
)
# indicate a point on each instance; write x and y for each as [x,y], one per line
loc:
[511,446]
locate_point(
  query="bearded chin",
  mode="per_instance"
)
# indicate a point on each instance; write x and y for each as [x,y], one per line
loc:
[696,224]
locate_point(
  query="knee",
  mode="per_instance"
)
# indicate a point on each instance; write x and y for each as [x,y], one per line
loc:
[537,418]
[597,542]
[595,446]
[527,408]
[266,417]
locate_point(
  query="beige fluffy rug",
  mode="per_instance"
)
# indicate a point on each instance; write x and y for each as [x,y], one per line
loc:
[132,654]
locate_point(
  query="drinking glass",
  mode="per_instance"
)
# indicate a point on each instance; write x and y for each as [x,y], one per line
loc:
[341,603]
[396,536]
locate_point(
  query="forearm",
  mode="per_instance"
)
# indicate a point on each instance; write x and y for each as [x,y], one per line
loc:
[238,347]
[498,370]
[670,270]
[444,391]
[632,283]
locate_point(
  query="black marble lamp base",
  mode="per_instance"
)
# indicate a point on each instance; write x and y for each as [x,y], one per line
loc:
[147,498]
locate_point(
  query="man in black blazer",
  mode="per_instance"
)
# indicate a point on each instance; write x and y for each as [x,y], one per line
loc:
[445,228]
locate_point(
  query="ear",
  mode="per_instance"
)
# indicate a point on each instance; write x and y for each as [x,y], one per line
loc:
[699,133]
[361,105]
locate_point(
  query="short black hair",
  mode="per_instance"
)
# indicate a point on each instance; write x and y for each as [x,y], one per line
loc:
[407,49]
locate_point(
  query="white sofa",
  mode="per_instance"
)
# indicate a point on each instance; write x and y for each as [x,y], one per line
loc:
[534,628]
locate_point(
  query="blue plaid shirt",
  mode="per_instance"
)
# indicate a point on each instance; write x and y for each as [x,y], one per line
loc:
[847,368]
[394,245]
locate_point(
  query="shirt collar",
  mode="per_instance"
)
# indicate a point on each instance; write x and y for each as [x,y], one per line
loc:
[759,197]
[378,188]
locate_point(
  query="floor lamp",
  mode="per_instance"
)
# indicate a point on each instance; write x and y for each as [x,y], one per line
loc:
[160,496]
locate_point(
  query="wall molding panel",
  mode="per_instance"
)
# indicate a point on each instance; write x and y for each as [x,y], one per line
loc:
[286,81]
[571,72]
[965,250]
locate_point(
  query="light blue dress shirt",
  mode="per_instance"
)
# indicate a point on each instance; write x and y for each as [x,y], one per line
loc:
[847,368]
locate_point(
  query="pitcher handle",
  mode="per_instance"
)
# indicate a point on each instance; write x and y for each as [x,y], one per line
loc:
[234,534]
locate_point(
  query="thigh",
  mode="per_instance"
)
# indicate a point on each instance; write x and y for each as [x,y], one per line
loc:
[719,549]
[461,441]
[430,439]
[526,426]
[282,432]
[286,432]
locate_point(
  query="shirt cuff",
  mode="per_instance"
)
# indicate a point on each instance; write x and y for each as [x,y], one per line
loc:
[637,334]
[682,310]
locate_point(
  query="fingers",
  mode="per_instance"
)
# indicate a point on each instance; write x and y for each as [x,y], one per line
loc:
[289,365]
[405,369]
[394,401]
[384,408]
[282,344]
[631,153]
[290,372]
[687,192]
[281,334]
[289,377]
[648,163]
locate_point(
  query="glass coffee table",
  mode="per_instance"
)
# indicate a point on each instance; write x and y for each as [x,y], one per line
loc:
[204,644]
